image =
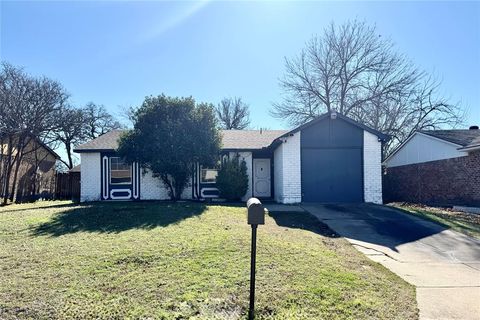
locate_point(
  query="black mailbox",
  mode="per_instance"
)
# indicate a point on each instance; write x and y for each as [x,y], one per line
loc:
[256,213]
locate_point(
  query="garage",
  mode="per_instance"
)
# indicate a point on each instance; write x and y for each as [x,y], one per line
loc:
[332,162]
[335,175]
[330,159]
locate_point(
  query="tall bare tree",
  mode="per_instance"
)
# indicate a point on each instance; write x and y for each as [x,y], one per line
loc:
[233,113]
[78,125]
[352,69]
[71,130]
[29,110]
[98,121]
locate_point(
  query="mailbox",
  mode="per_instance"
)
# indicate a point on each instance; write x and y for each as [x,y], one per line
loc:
[255,212]
[255,216]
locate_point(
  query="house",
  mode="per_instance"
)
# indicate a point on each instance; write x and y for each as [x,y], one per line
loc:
[329,159]
[36,171]
[439,167]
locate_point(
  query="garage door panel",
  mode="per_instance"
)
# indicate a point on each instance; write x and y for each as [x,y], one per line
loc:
[332,175]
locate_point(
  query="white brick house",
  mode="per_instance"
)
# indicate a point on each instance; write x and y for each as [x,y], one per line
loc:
[329,159]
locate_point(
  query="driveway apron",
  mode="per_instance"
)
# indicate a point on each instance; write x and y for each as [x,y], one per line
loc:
[443,265]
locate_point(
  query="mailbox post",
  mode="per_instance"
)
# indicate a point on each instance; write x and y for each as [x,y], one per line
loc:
[255,216]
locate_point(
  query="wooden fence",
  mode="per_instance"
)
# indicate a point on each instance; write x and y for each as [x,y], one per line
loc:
[67,186]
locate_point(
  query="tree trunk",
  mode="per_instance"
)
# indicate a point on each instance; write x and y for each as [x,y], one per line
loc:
[15,176]
[68,149]
[21,145]
[8,171]
[168,183]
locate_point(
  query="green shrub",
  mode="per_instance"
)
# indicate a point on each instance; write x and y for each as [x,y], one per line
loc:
[232,179]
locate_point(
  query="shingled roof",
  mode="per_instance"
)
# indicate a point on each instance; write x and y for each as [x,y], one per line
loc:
[475,144]
[249,139]
[461,137]
[231,140]
[105,142]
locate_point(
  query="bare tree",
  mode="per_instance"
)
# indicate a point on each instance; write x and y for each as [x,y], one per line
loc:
[77,125]
[233,113]
[126,114]
[29,109]
[98,121]
[355,71]
[71,131]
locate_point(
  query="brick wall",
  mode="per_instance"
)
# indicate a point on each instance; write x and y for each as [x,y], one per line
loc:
[90,177]
[152,188]
[444,182]
[372,168]
[289,187]
[278,173]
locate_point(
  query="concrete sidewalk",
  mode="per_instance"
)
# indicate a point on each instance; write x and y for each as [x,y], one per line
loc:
[443,265]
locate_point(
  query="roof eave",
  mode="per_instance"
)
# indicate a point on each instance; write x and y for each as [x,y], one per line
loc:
[92,150]
[469,148]
[242,149]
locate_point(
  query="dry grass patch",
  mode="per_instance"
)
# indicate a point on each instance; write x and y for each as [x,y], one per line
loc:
[464,222]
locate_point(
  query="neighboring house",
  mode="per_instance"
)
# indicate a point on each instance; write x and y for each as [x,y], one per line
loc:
[36,173]
[329,159]
[436,167]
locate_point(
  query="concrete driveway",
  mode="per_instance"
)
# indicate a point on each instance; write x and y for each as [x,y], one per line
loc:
[444,265]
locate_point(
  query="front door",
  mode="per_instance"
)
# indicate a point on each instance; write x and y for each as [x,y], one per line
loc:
[261,178]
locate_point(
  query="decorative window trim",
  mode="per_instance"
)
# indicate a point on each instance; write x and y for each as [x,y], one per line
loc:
[125,197]
[201,175]
[204,195]
[105,179]
[110,173]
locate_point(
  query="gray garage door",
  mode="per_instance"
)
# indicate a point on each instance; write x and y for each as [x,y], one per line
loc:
[332,175]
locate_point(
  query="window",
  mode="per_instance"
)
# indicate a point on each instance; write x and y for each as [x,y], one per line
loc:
[120,172]
[208,175]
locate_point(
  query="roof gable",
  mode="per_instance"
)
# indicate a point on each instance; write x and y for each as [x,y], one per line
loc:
[105,142]
[35,140]
[461,138]
[419,148]
[332,114]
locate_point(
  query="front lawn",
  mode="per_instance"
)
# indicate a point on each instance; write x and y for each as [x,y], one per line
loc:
[184,261]
[466,223]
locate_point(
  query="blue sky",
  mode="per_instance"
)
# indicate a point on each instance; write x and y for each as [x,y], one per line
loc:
[116,53]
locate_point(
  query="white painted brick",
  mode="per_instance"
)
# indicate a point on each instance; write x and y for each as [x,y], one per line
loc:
[287,170]
[278,173]
[372,168]
[152,188]
[90,177]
